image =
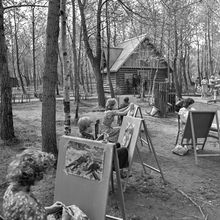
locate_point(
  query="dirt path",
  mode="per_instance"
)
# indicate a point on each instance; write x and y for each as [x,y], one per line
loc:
[146,196]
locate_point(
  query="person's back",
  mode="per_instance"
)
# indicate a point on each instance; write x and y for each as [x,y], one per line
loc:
[125,104]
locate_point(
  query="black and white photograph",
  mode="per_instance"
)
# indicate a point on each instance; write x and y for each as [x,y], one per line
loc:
[138,78]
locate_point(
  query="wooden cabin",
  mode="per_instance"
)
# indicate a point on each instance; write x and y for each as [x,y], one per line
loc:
[133,62]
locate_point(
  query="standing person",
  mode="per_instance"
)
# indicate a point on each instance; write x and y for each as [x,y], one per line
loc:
[204,85]
[145,87]
[134,84]
[23,172]
[127,83]
[110,113]
[197,84]
[211,83]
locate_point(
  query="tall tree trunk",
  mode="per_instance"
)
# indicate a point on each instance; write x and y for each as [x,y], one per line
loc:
[154,83]
[6,116]
[115,33]
[108,34]
[198,60]
[48,129]
[66,101]
[209,43]
[76,72]
[82,74]
[94,60]
[183,61]
[61,66]
[78,65]
[90,75]
[188,64]
[184,72]
[17,55]
[175,67]
[168,58]
[33,45]
[12,48]
[87,77]
[206,62]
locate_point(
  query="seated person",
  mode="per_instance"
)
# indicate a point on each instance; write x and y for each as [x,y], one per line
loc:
[110,113]
[183,114]
[183,103]
[184,111]
[23,172]
[85,130]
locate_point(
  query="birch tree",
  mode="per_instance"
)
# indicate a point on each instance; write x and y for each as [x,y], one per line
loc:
[66,101]
[76,71]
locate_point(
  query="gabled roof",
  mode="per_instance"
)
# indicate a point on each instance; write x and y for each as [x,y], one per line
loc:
[126,48]
[114,54]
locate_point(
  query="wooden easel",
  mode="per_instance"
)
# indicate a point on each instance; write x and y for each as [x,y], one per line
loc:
[137,123]
[198,126]
[88,194]
[147,140]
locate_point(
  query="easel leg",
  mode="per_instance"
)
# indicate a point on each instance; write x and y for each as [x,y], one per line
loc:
[112,181]
[142,162]
[177,137]
[126,180]
[193,138]
[153,150]
[141,140]
[217,123]
[155,156]
[121,195]
[146,142]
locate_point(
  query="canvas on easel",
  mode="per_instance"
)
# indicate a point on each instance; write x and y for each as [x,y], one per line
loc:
[128,136]
[135,111]
[146,140]
[197,130]
[83,176]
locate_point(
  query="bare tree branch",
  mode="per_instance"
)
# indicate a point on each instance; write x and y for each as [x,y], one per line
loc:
[28,5]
